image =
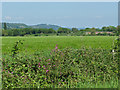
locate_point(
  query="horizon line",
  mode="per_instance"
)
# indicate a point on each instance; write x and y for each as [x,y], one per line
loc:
[59,25]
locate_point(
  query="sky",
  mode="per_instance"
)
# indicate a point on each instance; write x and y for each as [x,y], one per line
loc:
[68,14]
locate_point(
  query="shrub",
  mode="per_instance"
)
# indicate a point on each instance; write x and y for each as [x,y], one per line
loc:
[63,68]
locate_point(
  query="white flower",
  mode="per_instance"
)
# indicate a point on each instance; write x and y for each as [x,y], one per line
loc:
[113,51]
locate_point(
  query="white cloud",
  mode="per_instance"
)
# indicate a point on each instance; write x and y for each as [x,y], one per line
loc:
[12,18]
[7,18]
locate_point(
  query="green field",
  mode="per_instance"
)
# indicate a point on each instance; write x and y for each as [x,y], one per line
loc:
[76,62]
[32,44]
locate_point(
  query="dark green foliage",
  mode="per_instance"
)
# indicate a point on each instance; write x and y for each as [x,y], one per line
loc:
[109,28]
[74,30]
[16,49]
[63,30]
[4,33]
[26,31]
[5,26]
[60,32]
[117,52]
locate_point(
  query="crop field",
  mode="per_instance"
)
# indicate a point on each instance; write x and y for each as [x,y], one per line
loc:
[32,44]
[59,62]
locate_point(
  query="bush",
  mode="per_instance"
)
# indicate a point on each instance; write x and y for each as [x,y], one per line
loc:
[36,35]
[63,68]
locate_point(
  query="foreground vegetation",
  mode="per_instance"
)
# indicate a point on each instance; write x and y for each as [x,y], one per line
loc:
[78,66]
[67,68]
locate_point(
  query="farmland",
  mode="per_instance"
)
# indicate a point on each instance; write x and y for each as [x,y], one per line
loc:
[59,45]
[32,44]
[59,62]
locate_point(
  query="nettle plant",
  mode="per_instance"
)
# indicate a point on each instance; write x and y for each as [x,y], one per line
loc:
[116,48]
[117,53]
[16,48]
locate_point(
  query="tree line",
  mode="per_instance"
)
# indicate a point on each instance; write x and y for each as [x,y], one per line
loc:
[65,31]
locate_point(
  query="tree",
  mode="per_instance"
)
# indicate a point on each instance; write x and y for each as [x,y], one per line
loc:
[51,30]
[60,30]
[15,32]
[5,26]
[63,30]
[28,30]
[103,28]
[118,31]
[10,33]
[93,30]
[112,28]
[4,33]
[74,30]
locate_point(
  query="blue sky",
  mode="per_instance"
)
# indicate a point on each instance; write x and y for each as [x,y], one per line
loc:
[69,14]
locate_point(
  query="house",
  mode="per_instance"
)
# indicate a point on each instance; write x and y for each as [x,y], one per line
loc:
[110,32]
[104,32]
[100,32]
[88,32]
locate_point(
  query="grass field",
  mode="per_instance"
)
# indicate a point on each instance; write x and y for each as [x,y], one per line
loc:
[77,66]
[32,44]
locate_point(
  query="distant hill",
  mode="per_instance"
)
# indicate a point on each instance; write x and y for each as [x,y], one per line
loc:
[74,27]
[55,27]
[21,25]
[15,25]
